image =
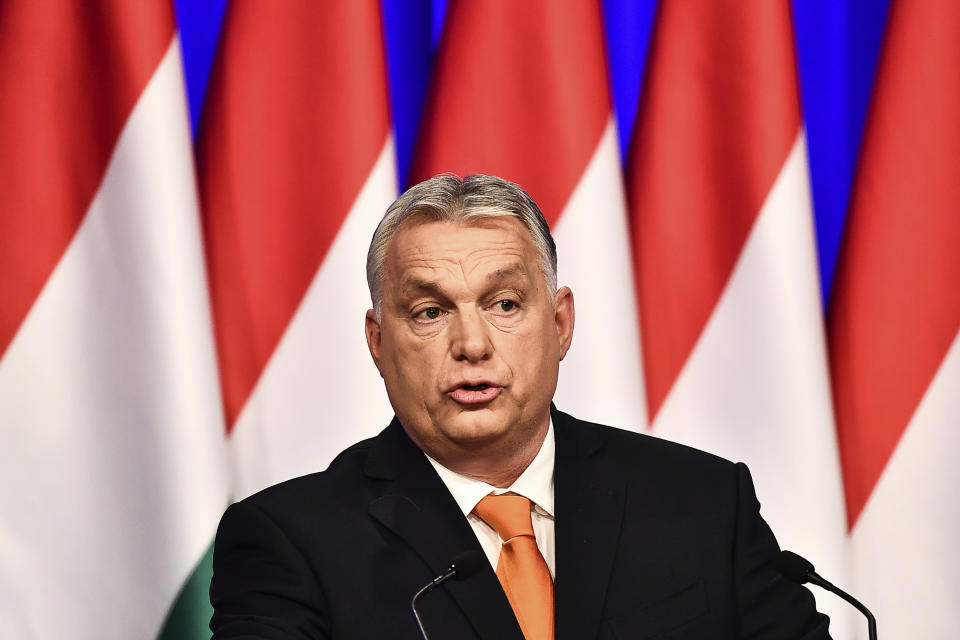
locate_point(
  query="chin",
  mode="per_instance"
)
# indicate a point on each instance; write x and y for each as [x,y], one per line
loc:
[476,427]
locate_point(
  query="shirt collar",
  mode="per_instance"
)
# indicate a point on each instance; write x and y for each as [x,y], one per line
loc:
[535,483]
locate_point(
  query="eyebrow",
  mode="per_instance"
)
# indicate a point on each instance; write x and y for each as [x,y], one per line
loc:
[411,283]
[505,273]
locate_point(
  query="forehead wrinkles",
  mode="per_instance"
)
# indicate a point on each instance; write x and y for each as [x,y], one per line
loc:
[465,260]
[463,257]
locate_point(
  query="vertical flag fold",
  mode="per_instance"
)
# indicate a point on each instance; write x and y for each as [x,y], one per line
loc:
[726,270]
[114,476]
[295,170]
[894,322]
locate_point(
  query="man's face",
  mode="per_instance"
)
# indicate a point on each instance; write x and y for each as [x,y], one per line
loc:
[470,338]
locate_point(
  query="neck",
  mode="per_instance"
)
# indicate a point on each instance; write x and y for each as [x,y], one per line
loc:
[498,466]
[503,476]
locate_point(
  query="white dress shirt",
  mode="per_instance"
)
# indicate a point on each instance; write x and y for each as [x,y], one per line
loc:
[535,484]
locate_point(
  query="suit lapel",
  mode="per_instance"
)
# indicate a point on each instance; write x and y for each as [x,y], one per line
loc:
[418,508]
[589,510]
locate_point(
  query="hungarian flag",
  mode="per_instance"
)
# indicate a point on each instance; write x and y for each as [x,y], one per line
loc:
[726,266]
[541,117]
[296,166]
[894,322]
[157,361]
[112,458]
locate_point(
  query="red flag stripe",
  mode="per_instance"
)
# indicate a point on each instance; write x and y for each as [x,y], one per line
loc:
[719,113]
[896,304]
[70,74]
[296,117]
[538,112]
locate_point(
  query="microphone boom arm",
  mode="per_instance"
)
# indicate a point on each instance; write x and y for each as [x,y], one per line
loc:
[436,582]
[820,581]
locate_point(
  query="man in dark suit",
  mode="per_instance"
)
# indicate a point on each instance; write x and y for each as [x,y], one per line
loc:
[622,535]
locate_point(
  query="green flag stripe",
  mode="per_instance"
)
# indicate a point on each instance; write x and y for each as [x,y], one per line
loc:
[189,618]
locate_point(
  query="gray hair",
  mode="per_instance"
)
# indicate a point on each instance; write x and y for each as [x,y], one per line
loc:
[447,198]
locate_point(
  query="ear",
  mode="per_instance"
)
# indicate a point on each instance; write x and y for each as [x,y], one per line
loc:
[564,316]
[372,331]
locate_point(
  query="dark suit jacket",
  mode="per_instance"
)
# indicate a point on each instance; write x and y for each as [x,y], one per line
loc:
[653,540]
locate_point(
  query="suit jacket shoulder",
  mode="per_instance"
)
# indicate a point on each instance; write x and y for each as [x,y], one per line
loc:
[666,540]
[340,553]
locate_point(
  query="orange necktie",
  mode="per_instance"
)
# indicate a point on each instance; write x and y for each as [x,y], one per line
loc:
[521,569]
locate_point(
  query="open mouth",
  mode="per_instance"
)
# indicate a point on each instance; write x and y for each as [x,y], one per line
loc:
[474,393]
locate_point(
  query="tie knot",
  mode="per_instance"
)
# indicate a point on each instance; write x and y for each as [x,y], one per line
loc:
[508,514]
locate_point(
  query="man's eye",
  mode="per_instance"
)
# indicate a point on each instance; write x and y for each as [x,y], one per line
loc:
[430,313]
[506,306]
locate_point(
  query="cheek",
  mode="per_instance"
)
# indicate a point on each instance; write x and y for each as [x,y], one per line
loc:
[521,351]
[532,350]
[417,361]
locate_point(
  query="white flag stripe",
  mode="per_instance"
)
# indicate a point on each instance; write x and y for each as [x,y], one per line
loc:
[755,388]
[907,534]
[601,378]
[113,461]
[320,391]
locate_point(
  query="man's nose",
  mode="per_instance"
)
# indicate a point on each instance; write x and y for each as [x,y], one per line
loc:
[469,338]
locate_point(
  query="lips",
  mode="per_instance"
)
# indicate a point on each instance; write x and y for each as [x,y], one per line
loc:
[476,393]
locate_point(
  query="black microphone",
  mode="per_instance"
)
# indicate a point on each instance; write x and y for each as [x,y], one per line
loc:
[464,564]
[800,570]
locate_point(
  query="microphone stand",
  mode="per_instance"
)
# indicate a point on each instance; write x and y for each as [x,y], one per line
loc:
[820,581]
[800,570]
[436,582]
[465,564]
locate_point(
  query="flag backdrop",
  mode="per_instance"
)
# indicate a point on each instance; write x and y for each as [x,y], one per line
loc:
[755,203]
[112,461]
